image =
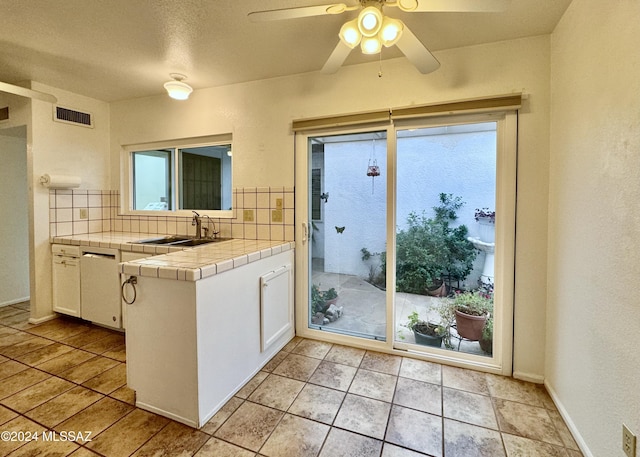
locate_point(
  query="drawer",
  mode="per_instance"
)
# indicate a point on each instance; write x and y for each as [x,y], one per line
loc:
[65,249]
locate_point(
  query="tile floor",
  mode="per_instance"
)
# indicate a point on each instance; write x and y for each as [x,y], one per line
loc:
[312,399]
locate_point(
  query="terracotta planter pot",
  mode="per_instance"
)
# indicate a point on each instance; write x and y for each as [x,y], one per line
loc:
[470,327]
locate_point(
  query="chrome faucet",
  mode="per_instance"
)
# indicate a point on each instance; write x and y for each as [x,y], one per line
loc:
[208,232]
[197,221]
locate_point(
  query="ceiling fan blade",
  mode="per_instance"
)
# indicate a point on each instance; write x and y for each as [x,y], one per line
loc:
[294,13]
[29,93]
[336,59]
[461,6]
[415,51]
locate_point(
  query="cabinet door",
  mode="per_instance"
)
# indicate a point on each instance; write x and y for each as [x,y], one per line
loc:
[66,285]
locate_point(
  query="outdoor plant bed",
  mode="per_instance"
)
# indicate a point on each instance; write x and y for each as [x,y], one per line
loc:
[323,306]
[486,342]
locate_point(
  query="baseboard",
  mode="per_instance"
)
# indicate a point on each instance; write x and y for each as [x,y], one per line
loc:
[40,320]
[529,377]
[567,419]
[15,302]
[161,412]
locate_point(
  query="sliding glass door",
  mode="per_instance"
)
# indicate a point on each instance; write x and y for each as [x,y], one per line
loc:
[399,225]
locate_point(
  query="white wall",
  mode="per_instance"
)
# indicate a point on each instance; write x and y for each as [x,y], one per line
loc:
[592,359]
[58,148]
[259,116]
[14,207]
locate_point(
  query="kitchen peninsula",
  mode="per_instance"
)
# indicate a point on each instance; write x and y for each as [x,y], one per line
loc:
[202,321]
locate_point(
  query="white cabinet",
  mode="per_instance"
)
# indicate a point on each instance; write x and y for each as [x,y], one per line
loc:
[126,256]
[66,279]
[191,345]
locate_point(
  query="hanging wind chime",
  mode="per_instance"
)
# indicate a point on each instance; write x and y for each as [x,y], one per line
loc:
[373,169]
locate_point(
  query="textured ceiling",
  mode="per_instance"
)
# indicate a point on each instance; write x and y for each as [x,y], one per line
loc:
[121,49]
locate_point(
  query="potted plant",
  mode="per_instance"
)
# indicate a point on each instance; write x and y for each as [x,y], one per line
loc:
[426,333]
[486,341]
[472,308]
[487,221]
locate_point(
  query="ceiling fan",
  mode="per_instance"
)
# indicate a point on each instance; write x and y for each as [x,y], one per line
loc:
[372,28]
[29,93]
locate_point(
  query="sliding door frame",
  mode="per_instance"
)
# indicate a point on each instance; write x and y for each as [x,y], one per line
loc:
[506,162]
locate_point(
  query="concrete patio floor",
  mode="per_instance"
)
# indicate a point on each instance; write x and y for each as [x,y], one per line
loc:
[364,309]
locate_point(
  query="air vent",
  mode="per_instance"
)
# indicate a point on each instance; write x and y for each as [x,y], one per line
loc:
[69,116]
[4,113]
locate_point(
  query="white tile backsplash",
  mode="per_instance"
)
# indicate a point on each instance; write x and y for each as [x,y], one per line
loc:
[103,211]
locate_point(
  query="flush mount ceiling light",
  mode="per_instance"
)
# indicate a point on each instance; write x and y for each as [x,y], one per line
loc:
[176,88]
[372,29]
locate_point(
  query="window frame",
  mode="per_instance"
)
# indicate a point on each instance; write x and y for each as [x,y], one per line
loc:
[127,178]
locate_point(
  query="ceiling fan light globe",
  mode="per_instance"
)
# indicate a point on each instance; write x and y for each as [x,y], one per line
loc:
[370,21]
[350,34]
[391,31]
[178,90]
[370,45]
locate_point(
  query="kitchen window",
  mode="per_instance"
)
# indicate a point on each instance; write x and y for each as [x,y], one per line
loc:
[180,177]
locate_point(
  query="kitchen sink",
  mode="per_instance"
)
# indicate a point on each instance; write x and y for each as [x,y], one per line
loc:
[178,240]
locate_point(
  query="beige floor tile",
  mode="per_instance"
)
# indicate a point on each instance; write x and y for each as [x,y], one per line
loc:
[217,448]
[344,443]
[19,381]
[252,385]
[83,452]
[345,355]
[373,384]
[109,380]
[89,369]
[295,437]
[421,370]
[222,415]
[64,362]
[119,353]
[384,363]
[8,311]
[518,446]
[4,331]
[297,367]
[419,395]
[37,394]
[471,441]
[249,426]
[13,338]
[128,434]
[363,415]
[514,390]
[6,415]
[391,450]
[333,375]
[459,378]
[290,346]
[90,336]
[66,330]
[563,430]
[108,343]
[317,403]
[275,361]
[64,406]
[277,392]
[19,424]
[25,347]
[415,430]
[525,420]
[312,348]
[11,367]
[469,407]
[43,354]
[55,326]
[124,394]
[16,319]
[173,440]
[97,417]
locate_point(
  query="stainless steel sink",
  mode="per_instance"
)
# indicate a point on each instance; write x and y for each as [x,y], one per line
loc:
[179,240]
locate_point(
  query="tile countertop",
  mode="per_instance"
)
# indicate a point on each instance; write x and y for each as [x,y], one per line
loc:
[179,263]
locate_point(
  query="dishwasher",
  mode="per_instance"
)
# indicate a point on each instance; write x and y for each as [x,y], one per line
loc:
[100,286]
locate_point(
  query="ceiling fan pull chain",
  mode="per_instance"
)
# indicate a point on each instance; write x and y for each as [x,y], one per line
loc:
[380,65]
